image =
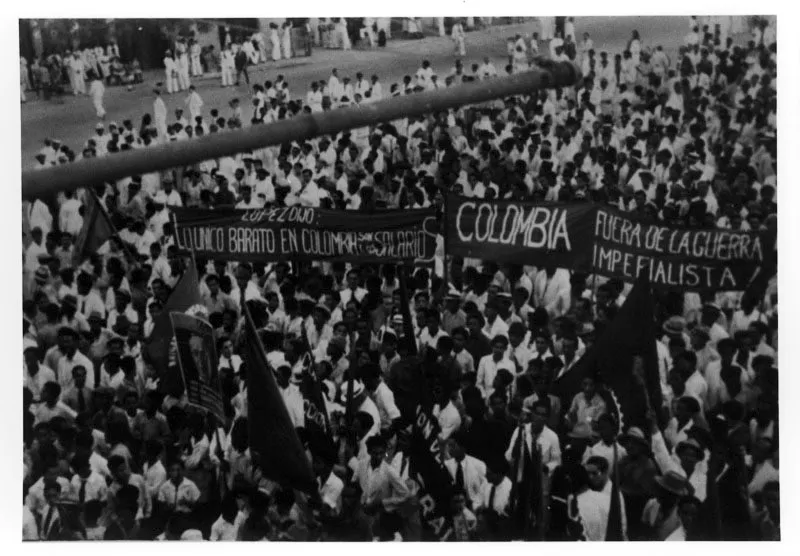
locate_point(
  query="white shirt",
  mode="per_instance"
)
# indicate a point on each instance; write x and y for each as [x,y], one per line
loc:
[36,383]
[667,462]
[449,420]
[65,366]
[547,442]
[180,499]
[331,492]
[30,531]
[474,476]
[96,488]
[294,405]
[221,530]
[487,371]
[593,510]
[384,401]
[154,477]
[426,340]
[498,327]
[502,496]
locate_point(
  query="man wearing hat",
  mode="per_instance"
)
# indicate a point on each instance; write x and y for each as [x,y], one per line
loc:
[688,461]
[675,327]
[660,514]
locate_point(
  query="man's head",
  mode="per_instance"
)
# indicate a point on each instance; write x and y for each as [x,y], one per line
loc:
[499,347]
[376,447]
[588,388]
[176,469]
[597,469]
[118,468]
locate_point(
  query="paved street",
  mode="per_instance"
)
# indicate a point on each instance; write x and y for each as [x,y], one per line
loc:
[73,120]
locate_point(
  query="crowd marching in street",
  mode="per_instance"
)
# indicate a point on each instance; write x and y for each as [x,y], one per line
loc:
[113,449]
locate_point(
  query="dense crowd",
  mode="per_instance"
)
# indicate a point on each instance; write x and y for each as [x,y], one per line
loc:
[113,451]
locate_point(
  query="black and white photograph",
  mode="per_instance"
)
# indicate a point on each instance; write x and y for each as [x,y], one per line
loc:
[402,279]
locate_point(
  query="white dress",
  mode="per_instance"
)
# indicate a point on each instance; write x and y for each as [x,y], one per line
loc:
[275,41]
[286,42]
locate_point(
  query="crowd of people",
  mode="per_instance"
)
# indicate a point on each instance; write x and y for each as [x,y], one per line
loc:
[69,72]
[112,450]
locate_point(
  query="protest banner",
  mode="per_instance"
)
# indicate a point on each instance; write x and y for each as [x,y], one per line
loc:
[434,486]
[197,360]
[585,237]
[672,257]
[305,233]
[520,232]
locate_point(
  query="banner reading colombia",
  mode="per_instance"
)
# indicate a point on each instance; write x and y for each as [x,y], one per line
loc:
[521,232]
[272,234]
[584,237]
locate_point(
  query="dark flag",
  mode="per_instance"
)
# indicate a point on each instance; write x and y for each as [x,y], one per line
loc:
[185,295]
[316,413]
[197,360]
[623,357]
[614,530]
[273,438]
[97,228]
[433,482]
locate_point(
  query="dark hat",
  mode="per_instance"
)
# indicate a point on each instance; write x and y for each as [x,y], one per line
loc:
[675,325]
[691,444]
[675,483]
[96,316]
[635,435]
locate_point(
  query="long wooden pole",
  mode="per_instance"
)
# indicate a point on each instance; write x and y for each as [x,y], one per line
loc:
[38,183]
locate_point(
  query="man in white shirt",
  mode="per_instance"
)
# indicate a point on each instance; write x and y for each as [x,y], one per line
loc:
[468,473]
[495,326]
[68,339]
[35,250]
[69,219]
[381,486]
[381,394]
[534,426]
[490,364]
[86,484]
[496,491]
[598,468]
[179,494]
[551,290]
[329,484]
[352,291]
